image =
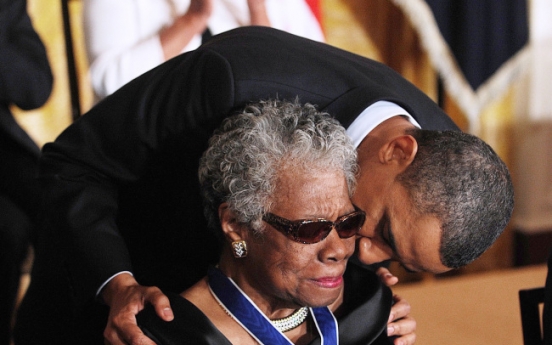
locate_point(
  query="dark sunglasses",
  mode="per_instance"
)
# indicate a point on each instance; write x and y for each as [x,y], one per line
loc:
[310,231]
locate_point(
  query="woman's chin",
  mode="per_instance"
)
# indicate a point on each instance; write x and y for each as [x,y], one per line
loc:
[325,297]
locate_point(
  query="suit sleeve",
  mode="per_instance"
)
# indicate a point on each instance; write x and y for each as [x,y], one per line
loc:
[25,75]
[110,147]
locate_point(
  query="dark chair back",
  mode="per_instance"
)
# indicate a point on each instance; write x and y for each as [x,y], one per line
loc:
[529,302]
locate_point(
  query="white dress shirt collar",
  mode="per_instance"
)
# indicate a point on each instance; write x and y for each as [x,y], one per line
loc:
[372,116]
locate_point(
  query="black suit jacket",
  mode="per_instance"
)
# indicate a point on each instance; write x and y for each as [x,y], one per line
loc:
[121,190]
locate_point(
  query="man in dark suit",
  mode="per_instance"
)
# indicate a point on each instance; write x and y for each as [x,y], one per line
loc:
[25,81]
[121,190]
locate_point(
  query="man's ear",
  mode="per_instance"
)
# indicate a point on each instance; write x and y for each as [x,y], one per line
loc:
[230,227]
[400,150]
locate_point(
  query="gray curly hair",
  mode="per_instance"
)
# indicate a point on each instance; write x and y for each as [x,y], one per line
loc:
[248,151]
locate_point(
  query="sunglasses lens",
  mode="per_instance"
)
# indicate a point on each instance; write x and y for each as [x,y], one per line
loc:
[350,226]
[313,232]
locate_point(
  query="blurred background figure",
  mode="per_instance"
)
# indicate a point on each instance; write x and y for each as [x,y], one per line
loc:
[126,38]
[26,82]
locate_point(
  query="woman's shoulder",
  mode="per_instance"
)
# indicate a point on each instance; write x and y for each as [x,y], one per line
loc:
[189,323]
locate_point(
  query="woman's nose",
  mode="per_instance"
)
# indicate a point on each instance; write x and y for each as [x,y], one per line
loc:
[337,248]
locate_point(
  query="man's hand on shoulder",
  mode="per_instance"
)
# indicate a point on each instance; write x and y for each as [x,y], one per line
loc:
[401,326]
[126,298]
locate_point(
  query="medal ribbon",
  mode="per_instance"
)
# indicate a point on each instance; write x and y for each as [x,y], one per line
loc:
[248,315]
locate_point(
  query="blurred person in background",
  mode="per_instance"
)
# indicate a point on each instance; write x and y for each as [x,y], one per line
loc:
[26,82]
[126,38]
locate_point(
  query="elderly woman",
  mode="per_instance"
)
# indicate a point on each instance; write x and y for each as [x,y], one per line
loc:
[277,181]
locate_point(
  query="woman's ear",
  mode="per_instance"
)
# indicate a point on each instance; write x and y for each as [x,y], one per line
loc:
[399,150]
[230,226]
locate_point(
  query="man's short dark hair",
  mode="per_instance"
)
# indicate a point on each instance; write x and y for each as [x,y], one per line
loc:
[460,179]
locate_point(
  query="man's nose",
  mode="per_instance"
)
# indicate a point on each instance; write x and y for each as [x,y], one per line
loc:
[369,253]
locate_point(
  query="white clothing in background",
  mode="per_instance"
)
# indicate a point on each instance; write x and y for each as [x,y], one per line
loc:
[122,36]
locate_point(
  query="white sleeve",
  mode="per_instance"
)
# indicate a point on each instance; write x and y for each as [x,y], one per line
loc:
[122,40]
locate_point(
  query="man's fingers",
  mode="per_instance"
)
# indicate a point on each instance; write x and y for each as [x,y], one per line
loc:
[126,333]
[408,339]
[401,327]
[111,337]
[136,337]
[122,327]
[160,302]
[404,330]
[401,324]
[386,276]
[400,308]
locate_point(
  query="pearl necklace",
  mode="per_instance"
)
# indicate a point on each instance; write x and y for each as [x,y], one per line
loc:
[284,324]
[294,320]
